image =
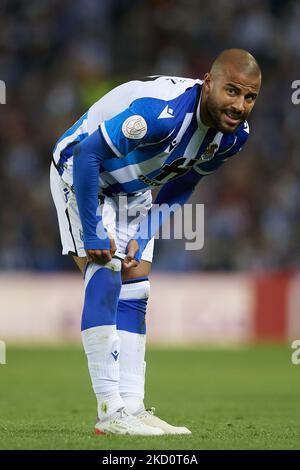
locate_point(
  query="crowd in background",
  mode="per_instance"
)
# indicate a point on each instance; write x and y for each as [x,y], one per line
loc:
[59,56]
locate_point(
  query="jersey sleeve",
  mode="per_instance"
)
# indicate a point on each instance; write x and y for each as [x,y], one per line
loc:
[134,126]
[88,155]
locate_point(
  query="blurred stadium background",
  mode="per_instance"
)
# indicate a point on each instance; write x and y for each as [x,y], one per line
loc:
[58,57]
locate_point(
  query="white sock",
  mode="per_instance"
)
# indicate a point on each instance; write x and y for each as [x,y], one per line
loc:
[102,346]
[132,370]
[133,346]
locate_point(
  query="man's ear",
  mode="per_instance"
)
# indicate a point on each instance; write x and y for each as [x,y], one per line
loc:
[207,82]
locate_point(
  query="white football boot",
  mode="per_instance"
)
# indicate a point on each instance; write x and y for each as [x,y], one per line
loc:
[122,422]
[147,417]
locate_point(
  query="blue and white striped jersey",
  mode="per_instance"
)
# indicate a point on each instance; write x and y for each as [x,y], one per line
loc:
[153,130]
[142,134]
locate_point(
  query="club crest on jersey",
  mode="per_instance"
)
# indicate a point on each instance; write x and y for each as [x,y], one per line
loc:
[209,152]
[134,127]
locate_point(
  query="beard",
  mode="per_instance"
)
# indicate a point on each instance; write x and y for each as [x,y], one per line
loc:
[217,116]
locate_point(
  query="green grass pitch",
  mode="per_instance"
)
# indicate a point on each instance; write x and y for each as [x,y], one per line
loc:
[245,398]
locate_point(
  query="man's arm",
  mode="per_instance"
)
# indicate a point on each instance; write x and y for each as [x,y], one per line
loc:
[88,156]
[177,191]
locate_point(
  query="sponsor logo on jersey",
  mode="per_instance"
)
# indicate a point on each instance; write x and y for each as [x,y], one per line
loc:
[134,127]
[149,181]
[179,167]
[169,170]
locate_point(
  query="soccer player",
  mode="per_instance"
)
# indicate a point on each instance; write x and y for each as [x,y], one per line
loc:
[161,131]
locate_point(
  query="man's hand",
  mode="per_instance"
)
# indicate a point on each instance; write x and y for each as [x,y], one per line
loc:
[132,249]
[102,256]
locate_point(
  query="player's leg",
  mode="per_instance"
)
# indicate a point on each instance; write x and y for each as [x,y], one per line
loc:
[99,335]
[131,313]
[131,326]
[102,347]
[100,340]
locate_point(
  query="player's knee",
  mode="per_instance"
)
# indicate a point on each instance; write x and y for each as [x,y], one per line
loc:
[132,306]
[142,270]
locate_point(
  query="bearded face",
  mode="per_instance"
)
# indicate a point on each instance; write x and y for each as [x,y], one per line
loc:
[229,99]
